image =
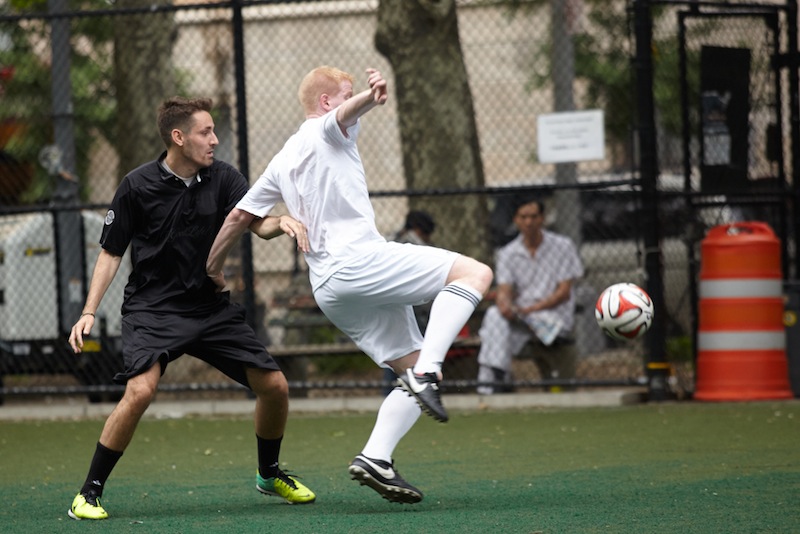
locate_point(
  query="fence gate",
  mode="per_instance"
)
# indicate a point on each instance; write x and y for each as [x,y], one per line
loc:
[738,115]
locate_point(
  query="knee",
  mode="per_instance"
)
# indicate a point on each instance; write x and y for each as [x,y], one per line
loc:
[278,384]
[268,383]
[139,394]
[480,277]
[473,273]
[484,276]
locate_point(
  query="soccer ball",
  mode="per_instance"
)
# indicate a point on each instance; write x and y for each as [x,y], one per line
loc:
[624,311]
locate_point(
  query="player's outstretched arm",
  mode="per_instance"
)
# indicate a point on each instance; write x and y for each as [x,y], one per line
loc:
[105,269]
[357,105]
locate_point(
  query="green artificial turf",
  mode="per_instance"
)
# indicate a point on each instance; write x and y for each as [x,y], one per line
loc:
[677,468]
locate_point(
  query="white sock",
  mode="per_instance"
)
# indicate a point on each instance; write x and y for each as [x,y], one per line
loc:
[397,415]
[450,311]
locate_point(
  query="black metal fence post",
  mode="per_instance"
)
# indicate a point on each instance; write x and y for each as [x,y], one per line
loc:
[794,117]
[244,157]
[656,366]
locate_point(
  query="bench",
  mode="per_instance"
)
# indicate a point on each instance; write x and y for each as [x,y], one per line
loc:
[309,335]
[460,364]
[297,357]
[460,347]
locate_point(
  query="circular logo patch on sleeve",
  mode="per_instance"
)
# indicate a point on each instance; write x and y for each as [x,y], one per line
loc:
[109,217]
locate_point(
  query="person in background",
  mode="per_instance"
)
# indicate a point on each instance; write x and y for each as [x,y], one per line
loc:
[535,274]
[418,229]
[364,284]
[169,211]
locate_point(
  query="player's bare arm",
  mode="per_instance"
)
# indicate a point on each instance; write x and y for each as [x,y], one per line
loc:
[270,227]
[104,271]
[356,106]
[234,226]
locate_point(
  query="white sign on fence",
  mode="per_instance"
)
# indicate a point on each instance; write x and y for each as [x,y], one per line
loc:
[570,136]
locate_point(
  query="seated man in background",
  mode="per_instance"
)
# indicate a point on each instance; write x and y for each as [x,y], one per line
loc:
[535,301]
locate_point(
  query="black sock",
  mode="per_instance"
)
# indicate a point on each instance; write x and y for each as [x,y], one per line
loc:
[268,452]
[102,464]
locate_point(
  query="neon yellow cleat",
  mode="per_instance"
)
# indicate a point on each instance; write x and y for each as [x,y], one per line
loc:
[285,486]
[87,507]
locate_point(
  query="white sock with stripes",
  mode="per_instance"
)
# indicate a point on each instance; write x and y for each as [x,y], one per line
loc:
[451,308]
[396,416]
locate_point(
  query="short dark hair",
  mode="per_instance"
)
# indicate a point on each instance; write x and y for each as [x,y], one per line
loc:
[524,200]
[177,112]
[421,220]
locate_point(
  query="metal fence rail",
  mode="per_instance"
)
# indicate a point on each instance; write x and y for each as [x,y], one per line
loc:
[78,79]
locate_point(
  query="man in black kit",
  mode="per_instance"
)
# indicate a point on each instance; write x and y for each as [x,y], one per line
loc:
[169,212]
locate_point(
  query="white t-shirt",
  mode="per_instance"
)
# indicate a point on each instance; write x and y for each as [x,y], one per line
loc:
[318,174]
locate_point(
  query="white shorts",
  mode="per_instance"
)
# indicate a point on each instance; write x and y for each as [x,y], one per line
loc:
[371,299]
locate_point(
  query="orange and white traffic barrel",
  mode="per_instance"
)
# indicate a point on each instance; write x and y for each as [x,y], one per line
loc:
[741,338]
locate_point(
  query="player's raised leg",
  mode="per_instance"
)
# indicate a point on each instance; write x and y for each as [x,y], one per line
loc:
[466,284]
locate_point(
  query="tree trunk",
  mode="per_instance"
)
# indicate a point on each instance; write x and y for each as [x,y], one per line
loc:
[144,78]
[436,117]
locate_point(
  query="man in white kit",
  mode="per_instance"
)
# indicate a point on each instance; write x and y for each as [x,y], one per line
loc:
[365,285]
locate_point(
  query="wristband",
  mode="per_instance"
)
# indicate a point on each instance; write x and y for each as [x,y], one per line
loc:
[87,313]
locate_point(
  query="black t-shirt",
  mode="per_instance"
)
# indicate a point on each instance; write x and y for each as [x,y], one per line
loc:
[170,228]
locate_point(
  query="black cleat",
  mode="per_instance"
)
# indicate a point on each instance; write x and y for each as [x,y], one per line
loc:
[425,388]
[381,476]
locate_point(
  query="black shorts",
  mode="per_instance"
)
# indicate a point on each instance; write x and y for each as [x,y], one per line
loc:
[222,338]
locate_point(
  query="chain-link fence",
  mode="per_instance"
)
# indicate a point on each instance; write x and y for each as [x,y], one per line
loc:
[551,83]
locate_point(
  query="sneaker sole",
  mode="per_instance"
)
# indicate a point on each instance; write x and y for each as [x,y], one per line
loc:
[76,518]
[390,493]
[421,404]
[273,494]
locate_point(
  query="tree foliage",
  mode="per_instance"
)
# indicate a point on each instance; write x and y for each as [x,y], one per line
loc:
[603,67]
[146,76]
[27,90]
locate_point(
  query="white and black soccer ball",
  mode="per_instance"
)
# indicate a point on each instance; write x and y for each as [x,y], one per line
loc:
[624,311]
